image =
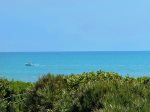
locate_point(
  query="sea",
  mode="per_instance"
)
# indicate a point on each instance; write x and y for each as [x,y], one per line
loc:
[132,63]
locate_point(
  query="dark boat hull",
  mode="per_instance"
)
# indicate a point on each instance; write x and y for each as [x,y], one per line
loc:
[28,64]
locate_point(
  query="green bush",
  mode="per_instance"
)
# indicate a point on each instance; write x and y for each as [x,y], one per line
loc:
[12,94]
[87,92]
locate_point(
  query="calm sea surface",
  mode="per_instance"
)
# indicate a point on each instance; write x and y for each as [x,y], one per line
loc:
[12,65]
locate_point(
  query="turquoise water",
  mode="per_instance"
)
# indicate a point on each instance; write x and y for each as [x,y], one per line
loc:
[12,65]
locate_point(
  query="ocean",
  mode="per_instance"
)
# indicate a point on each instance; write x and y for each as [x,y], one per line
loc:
[12,64]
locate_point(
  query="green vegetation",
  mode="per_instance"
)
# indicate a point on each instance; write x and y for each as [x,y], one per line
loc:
[87,92]
[12,95]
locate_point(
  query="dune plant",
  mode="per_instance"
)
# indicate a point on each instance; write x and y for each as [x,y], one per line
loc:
[87,92]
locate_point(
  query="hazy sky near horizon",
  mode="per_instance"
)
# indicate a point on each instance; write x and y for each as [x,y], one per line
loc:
[74,25]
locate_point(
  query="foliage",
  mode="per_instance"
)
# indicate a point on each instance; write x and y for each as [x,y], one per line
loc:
[12,95]
[87,92]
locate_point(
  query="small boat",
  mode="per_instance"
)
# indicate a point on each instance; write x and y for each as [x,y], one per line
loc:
[28,64]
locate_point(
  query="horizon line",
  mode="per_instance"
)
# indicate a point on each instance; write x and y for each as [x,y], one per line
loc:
[77,51]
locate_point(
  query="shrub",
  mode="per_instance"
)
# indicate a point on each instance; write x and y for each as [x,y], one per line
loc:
[87,92]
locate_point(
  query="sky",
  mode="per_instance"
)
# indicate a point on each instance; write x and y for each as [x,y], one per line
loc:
[74,25]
